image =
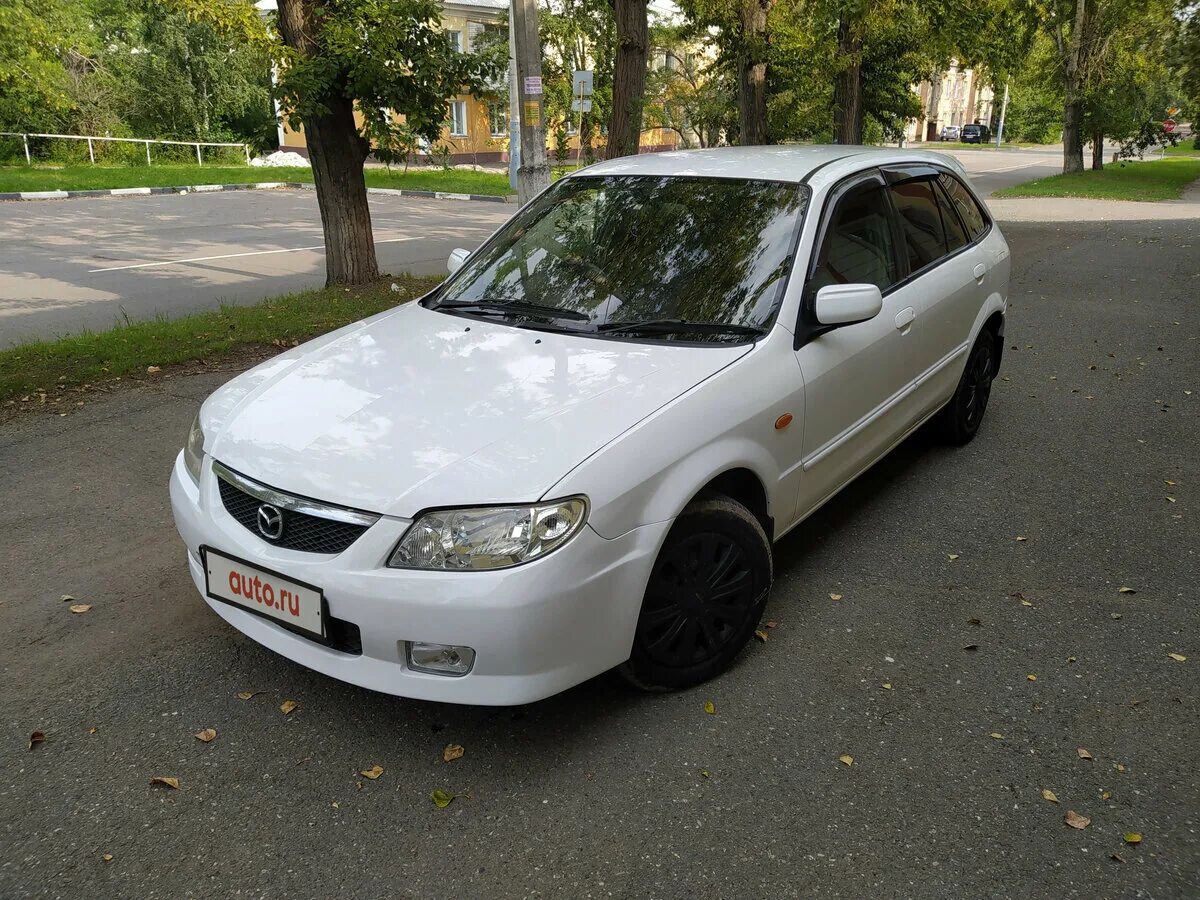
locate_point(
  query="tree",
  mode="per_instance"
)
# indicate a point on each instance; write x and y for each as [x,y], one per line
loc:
[686,94]
[577,35]
[347,68]
[36,40]
[629,78]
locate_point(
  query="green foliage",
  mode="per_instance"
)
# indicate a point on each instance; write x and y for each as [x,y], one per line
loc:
[576,35]
[39,39]
[1035,97]
[685,92]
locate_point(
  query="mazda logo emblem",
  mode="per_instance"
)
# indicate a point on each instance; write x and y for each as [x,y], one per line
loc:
[270,522]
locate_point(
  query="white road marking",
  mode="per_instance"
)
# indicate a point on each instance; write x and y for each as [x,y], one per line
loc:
[176,262]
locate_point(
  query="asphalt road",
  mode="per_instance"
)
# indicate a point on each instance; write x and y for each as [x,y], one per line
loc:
[604,792]
[73,265]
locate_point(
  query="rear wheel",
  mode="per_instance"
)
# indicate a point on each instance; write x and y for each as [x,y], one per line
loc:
[959,420]
[705,596]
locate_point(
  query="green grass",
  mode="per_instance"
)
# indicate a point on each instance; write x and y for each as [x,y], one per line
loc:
[66,368]
[959,145]
[88,177]
[1184,149]
[1149,180]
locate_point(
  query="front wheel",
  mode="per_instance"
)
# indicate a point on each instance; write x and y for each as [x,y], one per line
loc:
[959,420]
[705,596]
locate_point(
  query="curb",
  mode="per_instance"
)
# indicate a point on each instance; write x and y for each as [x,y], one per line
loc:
[256,186]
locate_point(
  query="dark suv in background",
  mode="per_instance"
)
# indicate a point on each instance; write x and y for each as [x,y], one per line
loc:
[974,134]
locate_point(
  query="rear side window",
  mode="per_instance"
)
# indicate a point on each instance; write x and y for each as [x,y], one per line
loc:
[962,201]
[858,246]
[956,234]
[921,222]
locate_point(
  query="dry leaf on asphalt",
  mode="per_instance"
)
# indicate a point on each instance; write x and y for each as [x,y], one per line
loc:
[1083,754]
[1178,657]
[372,773]
[1106,795]
[93,730]
[452,752]
[887,685]
[1031,677]
[1133,838]
[1116,857]
[166,781]
[1021,538]
[761,634]
[66,598]
[80,607]
[441,799]
[246,695]
[846,759]
[287,706]
[36,738]
[971,647]
[772,624]
[1048,794]
[835,596]
[206,734]
[953,556]
[1126,590]
[710,707]
[107,857]
[1075,820]
[996,735]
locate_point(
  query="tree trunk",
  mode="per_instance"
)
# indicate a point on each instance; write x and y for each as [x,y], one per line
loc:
[1072,134]
[752,74]
[847,87]
[337,152]
[629,78]
[1097,150]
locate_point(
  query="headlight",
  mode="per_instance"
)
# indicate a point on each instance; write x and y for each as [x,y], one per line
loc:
[488,538]
[193,450]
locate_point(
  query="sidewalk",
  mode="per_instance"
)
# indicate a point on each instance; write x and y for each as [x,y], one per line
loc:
[1074,209]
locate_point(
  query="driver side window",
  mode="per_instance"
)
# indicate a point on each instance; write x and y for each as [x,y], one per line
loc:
[858,247]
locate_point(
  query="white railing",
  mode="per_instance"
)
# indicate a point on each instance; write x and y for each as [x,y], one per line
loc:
[25,136]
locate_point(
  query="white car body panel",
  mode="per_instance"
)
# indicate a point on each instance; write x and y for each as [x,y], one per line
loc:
[415,409]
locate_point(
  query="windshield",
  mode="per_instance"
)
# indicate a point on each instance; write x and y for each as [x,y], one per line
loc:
[614,250]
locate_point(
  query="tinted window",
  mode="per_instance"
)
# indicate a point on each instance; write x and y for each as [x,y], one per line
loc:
[858,246]
[956,234]
[636,247]
[924,236]
[962,201]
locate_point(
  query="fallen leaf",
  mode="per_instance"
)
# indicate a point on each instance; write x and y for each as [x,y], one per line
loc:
[1025,602]
[1133,838]
[772,624]
[1083,754]
[152,369]
[166,781]
[1178,657]
[975,622]
[997,735]
[971,647]
[887,685]
[80,607]
[710,707]
[372,773]
[287,706]
[1021,538]
[705,773]
[107,857]
[846,760]
[441,799]
[761,634]
[1105,795]
[246,695]
[93,730]
[206,734]
[452,752]
[1169,481]
[1048,794]
[1116,857]
[953,556]
[36,738]
[1075,820]
[67,597]
[1120,767]
[1115,616]
[1170,499]
[1126,590]
[1072,659]
[1031,677]
[835,596]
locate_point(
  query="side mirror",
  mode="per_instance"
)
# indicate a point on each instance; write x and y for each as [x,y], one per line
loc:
[458,256]
[847,304]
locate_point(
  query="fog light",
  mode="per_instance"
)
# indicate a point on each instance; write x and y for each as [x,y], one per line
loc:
[440,659]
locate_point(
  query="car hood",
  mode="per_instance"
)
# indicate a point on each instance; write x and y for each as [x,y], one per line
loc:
[414,408]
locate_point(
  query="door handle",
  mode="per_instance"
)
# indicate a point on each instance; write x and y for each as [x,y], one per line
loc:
[980,271]
[905,317]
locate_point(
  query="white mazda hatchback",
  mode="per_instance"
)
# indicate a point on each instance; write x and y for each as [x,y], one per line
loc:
[576,453]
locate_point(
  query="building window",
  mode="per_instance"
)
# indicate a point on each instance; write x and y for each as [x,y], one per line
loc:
[456,43]
[498,118]
[458,118]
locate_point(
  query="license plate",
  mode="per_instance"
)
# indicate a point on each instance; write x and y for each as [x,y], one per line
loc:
[264,592]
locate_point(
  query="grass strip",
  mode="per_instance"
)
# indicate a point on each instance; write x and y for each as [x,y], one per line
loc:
[1164,179]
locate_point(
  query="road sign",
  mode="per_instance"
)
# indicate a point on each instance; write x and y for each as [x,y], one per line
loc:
[578,105]
[581,84]
[1172,112]
[1169,126]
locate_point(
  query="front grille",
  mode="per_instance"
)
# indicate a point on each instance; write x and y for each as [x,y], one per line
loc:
[301,531]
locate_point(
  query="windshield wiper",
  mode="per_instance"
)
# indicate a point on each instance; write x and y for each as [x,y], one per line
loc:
[670,326]
[515,307]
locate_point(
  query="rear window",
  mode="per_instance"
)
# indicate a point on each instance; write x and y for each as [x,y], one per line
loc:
[962,201]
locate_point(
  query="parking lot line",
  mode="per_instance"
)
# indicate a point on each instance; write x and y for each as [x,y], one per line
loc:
[192,259]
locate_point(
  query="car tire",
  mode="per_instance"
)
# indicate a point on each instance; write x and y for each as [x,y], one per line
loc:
[958,421]
[704,599]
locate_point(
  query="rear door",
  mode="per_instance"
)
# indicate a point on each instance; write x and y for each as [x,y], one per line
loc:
[947,277]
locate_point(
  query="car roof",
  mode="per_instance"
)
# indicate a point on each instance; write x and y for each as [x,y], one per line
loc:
[775,163]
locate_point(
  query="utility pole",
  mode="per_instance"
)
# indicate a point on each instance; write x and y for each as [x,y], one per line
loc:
[1003,111]
[514,107]
[533,174]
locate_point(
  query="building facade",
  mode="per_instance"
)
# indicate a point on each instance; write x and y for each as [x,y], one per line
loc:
[959,97]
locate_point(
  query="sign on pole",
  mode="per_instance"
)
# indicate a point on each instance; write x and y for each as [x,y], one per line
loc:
[1169,126]
[581,84]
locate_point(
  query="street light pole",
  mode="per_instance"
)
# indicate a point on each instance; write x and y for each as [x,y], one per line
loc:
[533,173]
[514,106]
[1003,110]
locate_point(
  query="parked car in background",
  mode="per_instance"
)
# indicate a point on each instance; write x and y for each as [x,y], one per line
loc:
[577,452]
[975,134]
[949,133]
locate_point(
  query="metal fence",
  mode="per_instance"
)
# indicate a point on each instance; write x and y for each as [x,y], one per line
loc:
[92,147]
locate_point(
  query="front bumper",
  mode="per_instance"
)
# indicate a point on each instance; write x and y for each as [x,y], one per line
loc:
[536,629]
